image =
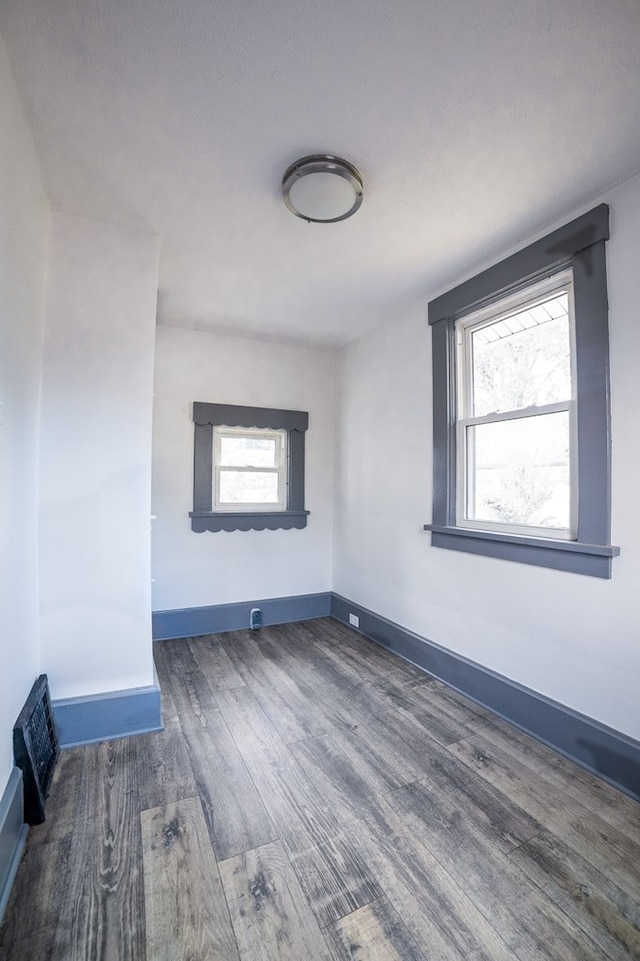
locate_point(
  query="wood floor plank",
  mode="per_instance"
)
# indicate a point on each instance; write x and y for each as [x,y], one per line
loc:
[162,664]
[190,693]
[374,932]
[53,944]
[590,791]
[345,691]
[302,818]
[65,796]
[235,814]
[404,743]
[427,714]
[433,904]
[422,738]
[493,813]
[184,685]
[608,849]
[608,915]
[45,868]
[168,708]
[356,657]
[289,710]
[102,908]
[315,675]
[186,911]
[174,657]
[311,662]
[270,914]
[332,633]
[163,767]
[336,878]
[453,706]
[349,707]
[526,920]
[341,771]
[351,660]
[248,722]
[239,644]
[91,901]
[381,765]
[325,757]
[214,662]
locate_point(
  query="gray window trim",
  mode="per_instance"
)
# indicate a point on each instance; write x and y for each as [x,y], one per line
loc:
[205,418]
[581,246]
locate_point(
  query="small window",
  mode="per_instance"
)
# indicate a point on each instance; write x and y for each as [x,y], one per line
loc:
[249,469]
[521,406]
[516,428]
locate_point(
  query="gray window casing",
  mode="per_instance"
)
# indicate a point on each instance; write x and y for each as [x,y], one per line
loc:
[581,246]
[208,416]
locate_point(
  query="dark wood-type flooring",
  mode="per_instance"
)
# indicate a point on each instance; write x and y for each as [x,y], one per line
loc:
[315,798]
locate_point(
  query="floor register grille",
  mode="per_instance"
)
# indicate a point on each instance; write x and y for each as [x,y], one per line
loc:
[36,749]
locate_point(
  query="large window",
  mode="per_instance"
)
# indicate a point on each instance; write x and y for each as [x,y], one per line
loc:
[521,406]
[248,468]
[516,425]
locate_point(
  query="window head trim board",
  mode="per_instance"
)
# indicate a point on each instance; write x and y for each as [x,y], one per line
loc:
[206,417]
[579,246]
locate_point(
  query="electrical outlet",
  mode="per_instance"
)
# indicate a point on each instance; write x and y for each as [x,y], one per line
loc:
[255,619]
[354,620]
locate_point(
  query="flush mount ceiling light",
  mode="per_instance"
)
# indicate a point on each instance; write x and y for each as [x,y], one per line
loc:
[322,189]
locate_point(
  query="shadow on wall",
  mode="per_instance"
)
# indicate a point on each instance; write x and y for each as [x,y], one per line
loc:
[617,766]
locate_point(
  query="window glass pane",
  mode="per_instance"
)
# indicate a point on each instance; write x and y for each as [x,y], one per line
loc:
[248,451]
[247,487]
[522,360]
[518,471]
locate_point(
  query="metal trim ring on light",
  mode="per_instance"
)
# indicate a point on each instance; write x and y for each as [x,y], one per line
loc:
[322,163]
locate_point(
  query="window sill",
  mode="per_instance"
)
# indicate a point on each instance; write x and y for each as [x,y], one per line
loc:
[247,520]
[573,556]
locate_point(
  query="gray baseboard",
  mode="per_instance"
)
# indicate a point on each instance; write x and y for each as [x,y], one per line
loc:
[613,756]
[13,835]
[191,621]
[102,717]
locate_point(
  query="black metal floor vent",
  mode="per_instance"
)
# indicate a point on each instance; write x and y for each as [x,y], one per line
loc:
[36,749]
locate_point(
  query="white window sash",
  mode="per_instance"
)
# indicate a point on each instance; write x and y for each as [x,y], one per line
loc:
[278,468]
[485,317]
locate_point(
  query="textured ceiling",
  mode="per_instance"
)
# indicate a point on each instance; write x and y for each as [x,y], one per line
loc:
[474,123]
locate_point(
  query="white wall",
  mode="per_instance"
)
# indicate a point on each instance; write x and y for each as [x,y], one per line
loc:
[571,637]
[95,463]
[193,570]
[24,217]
